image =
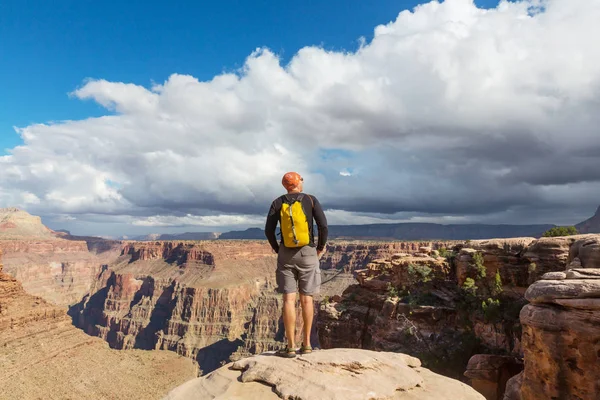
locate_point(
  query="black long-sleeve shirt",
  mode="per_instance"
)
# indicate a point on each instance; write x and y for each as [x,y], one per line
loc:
[311,209]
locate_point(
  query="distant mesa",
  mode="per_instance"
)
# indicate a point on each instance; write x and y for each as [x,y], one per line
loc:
[19,224]
[251,233]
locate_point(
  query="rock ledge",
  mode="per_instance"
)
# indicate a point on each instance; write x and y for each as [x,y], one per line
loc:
[344,374]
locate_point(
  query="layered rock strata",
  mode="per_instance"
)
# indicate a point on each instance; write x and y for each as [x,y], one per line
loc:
[326,375]
[59,271]
[43,355]
[561,331]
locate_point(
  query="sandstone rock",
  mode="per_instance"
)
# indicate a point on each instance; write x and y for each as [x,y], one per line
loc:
[554,276]
[327,374]
[548,291]
[513,388]
[587,249]
[489,373]
[60,271]
[548,254]
[351,256]
[499,255]
[44,356]
[583,304]
[561,353]
[589,273]
[575,263]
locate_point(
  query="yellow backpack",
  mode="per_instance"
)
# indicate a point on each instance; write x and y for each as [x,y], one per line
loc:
[294,223]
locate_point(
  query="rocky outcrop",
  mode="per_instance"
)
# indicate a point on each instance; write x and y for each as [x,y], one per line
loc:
[18,224]
[490,373]
[43,355]
[561,333]
[348,256]
[326,374]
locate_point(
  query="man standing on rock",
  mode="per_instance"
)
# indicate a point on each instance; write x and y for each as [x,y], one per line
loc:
[297,256]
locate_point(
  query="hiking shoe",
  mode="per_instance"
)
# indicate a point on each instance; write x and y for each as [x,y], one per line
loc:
[286,352]
[305,349]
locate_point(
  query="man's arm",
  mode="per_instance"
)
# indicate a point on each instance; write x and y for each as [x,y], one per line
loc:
[321,221]
[271,226]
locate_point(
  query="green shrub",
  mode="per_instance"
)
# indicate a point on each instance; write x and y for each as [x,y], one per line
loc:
[478,266]
[491,310]
[561,231]
[392,291]
[469,286]
[419,273]
[497,286]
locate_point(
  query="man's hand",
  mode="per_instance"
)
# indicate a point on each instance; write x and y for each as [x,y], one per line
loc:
[320,253]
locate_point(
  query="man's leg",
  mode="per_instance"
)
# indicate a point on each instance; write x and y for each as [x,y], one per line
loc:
[289,318]
[307,316]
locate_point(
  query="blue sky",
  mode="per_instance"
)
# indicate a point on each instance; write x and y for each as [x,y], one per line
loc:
[48,49]
[454,112]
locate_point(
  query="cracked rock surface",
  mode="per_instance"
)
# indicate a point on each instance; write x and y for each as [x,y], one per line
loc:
[344,374]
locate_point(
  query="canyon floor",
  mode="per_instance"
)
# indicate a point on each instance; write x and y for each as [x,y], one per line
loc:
[43,356]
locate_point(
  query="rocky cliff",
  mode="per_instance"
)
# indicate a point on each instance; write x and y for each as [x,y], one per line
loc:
[207,300]
[561,331]
[326,375]
[60,271]
[43,355]
[445,306]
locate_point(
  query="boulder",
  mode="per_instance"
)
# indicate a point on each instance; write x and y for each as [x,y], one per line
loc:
[554,276]
[490,373]
[587,249]
[344,374]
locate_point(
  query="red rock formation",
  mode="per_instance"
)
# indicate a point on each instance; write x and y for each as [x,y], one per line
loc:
[561,334]
[490,373]
[60,271]
[42,353]
[349,256]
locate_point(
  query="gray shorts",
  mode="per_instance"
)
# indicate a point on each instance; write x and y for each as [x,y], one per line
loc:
[298,269]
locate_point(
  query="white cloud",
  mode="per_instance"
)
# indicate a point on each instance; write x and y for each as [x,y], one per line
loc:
[450,109]
[195,220]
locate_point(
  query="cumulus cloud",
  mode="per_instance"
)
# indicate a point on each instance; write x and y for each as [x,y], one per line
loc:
[451,111]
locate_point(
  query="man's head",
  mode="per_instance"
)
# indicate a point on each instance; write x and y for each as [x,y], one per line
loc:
[292,182]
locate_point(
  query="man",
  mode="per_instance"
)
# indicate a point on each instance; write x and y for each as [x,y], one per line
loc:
[297,256]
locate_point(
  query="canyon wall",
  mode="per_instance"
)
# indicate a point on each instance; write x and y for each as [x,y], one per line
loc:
[43,355]
[60,271]
[210,300]
[445,306]
[561,330]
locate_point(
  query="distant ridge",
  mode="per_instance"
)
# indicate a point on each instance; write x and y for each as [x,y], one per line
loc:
[413,231]
[590,225]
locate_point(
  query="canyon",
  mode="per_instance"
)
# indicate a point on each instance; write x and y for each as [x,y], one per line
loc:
[44,356]
[456,305]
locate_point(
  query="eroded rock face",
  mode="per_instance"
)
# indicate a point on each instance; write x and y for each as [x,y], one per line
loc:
[43,355]
[490,373]
[561,338]
[60,271]
[353,256]
[344,374]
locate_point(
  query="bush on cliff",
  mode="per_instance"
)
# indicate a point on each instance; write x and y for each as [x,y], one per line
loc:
[561,231]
